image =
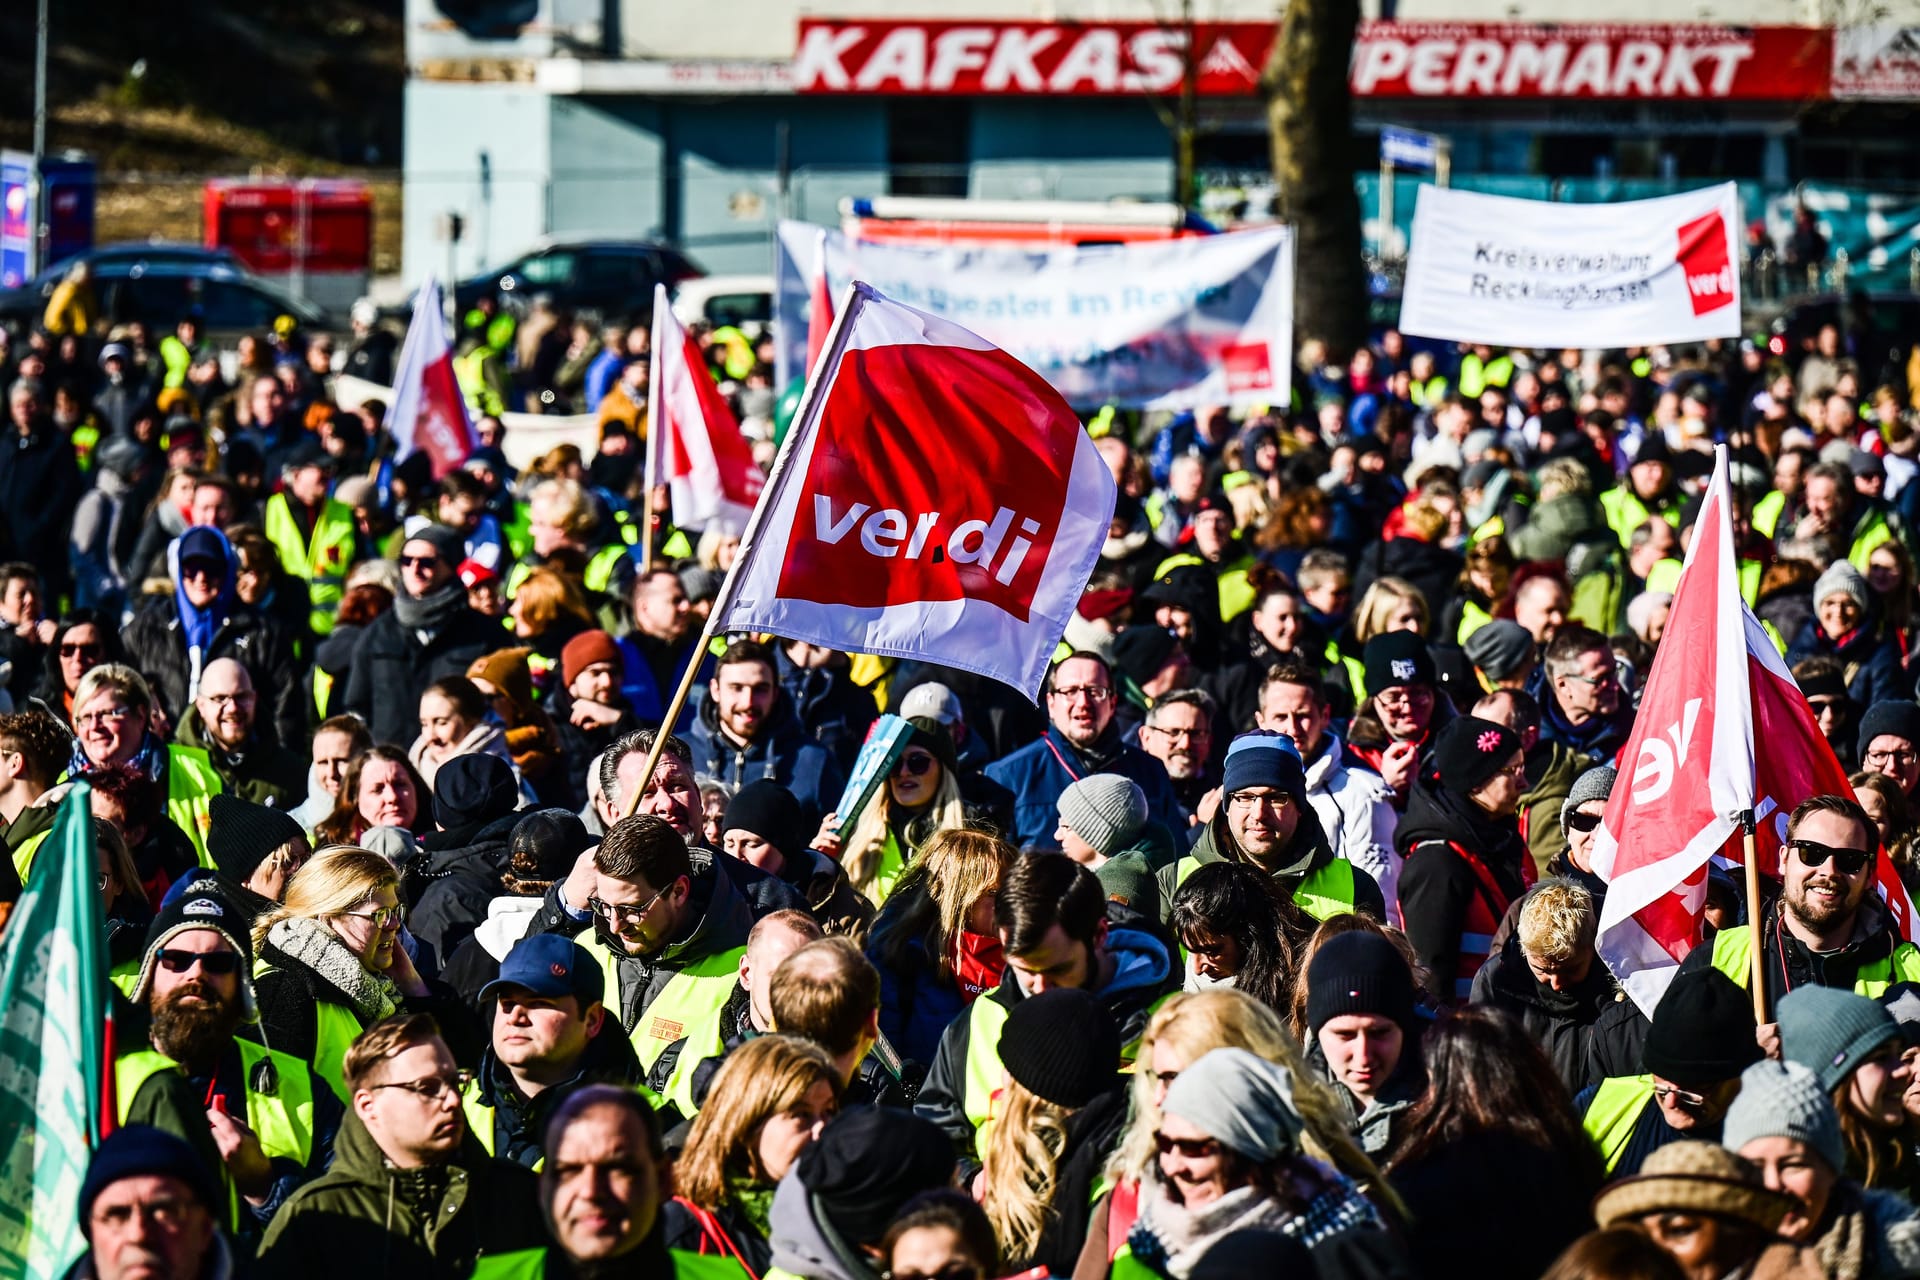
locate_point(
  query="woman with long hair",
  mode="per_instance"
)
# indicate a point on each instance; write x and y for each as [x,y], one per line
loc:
[1235,932]
[548,610]
[382,789]
[82,641]
[1180,1033]
[1059,1114]
[454,721]
[1890,577]
[1854,1048]
[1887,806]
[934,941]
[331,963]
[1495,1125]
[921,797]
[768,1101]
[1302,517]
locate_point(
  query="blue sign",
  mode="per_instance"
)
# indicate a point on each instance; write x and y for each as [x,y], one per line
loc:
[16,218]
[66,193]
[1410,149]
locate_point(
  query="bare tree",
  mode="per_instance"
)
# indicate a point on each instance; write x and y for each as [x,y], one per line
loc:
[1310,115]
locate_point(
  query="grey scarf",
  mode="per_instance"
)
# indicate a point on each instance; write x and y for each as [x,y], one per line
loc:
[373,995]
[431,611]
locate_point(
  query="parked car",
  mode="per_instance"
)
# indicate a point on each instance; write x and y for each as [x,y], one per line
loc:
[612,277]
[746,302]
[158,291]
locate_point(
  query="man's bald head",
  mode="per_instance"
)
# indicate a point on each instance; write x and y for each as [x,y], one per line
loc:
[225,702]
[772,939]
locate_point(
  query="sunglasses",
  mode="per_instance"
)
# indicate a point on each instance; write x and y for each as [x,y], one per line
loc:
[217,964]
[915,765]
[419,562]
[79,650]
[1583,821]
[1186,1148]
[1847,861]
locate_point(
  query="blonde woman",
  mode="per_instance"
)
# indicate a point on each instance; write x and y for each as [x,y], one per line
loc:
[934,942]
[331,962]
[1057,1118]
[921,797]
[1186,1028]
[768,1102]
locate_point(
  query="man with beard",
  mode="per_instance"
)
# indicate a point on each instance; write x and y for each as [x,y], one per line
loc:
[1178,732]
[1827,928]
[258,1117]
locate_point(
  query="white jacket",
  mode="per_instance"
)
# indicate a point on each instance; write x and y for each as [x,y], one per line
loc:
[1355,809]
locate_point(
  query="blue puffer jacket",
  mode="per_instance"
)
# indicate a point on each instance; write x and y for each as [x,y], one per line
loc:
[780,751]
[1868,656]
[1038,772]
[916,1003]
[833,710]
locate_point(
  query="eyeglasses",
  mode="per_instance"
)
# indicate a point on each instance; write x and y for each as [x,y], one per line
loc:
[112,715]
[79,650]
[1247,800]
[1609,676]
[952,1271]
[217,964]
[419,562]
[1091,692]
[1179,735]
[1848,862]
[621,916]
[431,1088]
[229,699]
[382,917]
[916,764]
[1403,696]
[1681,1097]
[1188,1148]
[1889,757]
[1583,821]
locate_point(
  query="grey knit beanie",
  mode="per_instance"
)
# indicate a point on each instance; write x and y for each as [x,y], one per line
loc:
[1785,1100]
[1841,578]
[1831,1032]
[1595,784]
[1106,810]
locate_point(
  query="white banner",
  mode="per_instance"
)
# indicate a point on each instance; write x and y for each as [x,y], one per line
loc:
[528,435]
[1172,324]
[1533,273]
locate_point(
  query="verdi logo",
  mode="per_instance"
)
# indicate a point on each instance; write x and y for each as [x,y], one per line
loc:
[1706,264]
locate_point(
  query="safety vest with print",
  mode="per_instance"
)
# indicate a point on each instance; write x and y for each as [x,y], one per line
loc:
[686,1013]
[1484,912]
[321,559]
[1613,1113]
[335,1028]
[1733,956]
[1323,893]
[531,1264]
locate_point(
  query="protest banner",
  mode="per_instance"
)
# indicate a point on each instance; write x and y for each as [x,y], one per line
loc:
[1172,324]
[1535,273]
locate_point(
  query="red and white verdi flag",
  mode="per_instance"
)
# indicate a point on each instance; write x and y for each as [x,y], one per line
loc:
[694,445]
[429,414]
[936,500]
[819,302]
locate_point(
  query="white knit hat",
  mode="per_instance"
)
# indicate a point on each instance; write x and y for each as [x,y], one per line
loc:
[1784,1100]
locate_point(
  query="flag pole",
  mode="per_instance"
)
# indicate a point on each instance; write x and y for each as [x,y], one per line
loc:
[802,416]
[1757,970]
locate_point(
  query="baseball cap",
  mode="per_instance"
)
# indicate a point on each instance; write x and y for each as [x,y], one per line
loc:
[474,574]
[931,701]
[550,966]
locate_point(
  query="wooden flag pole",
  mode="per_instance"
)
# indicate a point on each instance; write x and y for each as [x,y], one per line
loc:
[1757,970]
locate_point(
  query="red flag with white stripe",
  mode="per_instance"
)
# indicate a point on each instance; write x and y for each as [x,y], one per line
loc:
[429,414]
[935,499]
[694,445]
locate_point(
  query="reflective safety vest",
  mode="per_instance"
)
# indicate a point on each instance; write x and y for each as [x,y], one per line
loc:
[282,1118]
[984,1074]
[125,976]
[686,1013]
[23,856]
[531,1264]
[1625,512]
[599,570]
[1322,894]
[1733,956]
[1767,512]
[1472,618]
[1235,591]
[321,560]
[480,1116]
[892,865]
[335,1028]
[1476,375]
[191,786]
[1876,532]
[1613,1113]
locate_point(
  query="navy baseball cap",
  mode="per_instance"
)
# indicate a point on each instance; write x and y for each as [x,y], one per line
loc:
[551,966]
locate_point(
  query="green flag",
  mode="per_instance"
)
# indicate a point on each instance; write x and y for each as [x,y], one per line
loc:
[53,1049]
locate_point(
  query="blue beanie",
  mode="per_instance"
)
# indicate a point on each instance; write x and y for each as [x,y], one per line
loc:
[1831,1032]
[142,1151]
[1263,758]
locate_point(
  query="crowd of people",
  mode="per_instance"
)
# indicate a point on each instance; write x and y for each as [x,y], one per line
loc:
[1264,944]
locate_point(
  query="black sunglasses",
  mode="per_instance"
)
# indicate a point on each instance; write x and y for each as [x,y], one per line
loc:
[1846,861]
[217,963]
[917,765]
[418,562]
[1583,821]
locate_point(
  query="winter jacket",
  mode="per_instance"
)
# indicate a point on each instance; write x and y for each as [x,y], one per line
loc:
[1432,570]
[1379,1125]
[1876,943]
[459,882]
[1554,526]
[393,666]
[1597,740]
[261,772]
[831,897]
[579,747]
[917,1000]
[476,962]
[1308,852]
[1560,1022]
[684,1232]
[780,750]
[40,485]
[106,525]
[1868,1235]
[485,739]
[158,645]
[1092,1132]
[1451,909]
[1142,973]
[518,1123]
[1869,658]
[834,711]
[426,1224]
[1037,773]
[1355,808]
[1538,1200]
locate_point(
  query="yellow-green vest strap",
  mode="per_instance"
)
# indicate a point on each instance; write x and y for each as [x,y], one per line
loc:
[125,976]
[521,1264]
[1472,618]
[23,856]
[1614,1112]
[599,571]
[1328,892]
[983,1074]
[887,873]
[335,1028]
[479,1115]
[1766,513]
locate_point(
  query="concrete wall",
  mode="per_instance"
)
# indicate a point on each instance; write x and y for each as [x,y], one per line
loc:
[448,128]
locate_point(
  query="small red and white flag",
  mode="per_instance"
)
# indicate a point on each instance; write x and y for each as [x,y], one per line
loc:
[694,445]
[935,499]
[819,302]
[428,413]
[1689,772]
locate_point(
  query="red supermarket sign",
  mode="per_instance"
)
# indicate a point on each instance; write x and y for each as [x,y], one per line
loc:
[1390,60]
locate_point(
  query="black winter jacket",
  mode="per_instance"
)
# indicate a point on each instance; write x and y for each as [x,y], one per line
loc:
[457,879]
[392,667]
[158,646]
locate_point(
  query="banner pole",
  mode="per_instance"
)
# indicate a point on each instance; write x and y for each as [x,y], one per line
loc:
[649,471]
[1758,970]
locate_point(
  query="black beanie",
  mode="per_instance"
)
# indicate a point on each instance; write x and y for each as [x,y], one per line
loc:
[868,1162]
[204,903]
[937,738]
[1823,684]
[1358,972]
[1703,1030]
[240,835]
[768,810]
[1397,658]
[142,1151]
[1061,1045]
[474,788]
[1143,649]
[1471,750]
[545,844]
[1899,717]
